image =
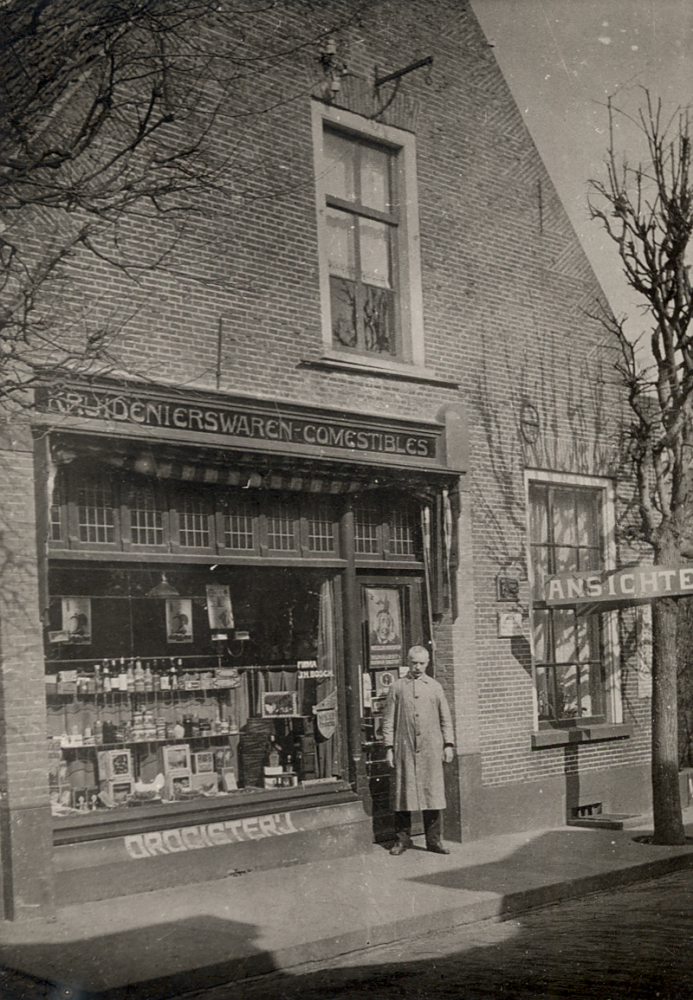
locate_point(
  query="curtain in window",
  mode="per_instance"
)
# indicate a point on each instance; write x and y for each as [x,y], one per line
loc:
[328,751]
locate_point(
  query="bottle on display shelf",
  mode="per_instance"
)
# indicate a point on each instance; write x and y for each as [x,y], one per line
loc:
[98,678]
[138,677]
[122,676]
[156,677]
[106,680]
[148,679]
[173,673]
[273,754]
[130,677]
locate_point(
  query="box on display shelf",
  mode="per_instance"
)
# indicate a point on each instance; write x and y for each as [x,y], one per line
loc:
[178,786]
[208,784]
[115,764]
[203,761]
[116,792]
[285,779]
[176,759]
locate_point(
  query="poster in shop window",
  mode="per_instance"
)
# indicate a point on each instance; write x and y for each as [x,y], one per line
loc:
[219,610]
[384,627]
[77,619]
[179,622]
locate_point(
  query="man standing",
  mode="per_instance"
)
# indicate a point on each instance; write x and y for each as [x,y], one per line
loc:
[418,736]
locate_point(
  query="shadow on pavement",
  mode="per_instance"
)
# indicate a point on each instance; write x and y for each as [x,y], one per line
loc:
[159,962]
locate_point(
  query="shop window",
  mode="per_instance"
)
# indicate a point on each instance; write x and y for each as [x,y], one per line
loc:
[567,533]
[147,705]
[370,272]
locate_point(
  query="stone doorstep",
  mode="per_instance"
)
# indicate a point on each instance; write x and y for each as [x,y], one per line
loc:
[611,821]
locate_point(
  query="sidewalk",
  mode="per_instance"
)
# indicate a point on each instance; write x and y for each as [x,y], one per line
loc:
[160,944]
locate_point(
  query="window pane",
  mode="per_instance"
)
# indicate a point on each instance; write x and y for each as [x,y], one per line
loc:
[541,634]
[591,689]
[343,311]
[375,253]
[544,699]
[280,529]
[341,244]
[379,320]
[539,522]
[402,533]
[563,517]
[540,569]
[566,692]
[194,526]
[375,179]
[587,515]
[564,636]
[238,527]
[95,503]
[566,560]
[146,516]
[321,529]
[366,522]
[340,166]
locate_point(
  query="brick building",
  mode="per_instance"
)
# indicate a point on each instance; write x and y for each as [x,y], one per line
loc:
[363,406]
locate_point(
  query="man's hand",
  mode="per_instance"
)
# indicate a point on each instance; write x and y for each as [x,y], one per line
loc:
[448,754]
[390,757]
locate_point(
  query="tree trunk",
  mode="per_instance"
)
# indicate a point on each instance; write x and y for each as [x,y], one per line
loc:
[666,796]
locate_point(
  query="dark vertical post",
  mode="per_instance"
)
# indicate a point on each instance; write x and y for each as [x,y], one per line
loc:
[352,653]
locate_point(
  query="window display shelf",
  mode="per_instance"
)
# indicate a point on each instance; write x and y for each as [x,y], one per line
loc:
[152,739]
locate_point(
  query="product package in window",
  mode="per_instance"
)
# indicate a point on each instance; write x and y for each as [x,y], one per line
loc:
[179,622]
[76,614]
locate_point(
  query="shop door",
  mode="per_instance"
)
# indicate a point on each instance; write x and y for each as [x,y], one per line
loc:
[392,620]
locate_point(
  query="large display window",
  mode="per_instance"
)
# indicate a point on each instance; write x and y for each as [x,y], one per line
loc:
[169,682]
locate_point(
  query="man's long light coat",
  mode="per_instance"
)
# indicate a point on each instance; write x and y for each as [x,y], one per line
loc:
[417,723]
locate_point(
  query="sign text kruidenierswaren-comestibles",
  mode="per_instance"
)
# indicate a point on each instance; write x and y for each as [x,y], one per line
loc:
[239,422]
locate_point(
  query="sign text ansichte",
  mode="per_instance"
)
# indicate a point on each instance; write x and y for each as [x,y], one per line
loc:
[637,584]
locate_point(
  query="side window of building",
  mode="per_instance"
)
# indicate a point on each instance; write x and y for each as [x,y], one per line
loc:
[567,533]
[368,236]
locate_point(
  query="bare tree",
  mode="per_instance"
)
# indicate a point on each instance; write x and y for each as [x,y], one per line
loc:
[108,112]
[647,210]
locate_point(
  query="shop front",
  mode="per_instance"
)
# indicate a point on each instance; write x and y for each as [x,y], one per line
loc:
[228,588]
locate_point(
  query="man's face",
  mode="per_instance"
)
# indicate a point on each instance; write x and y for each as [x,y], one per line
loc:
[384,625]
[418,663]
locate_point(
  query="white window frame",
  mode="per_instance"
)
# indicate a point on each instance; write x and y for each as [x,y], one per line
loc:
[612,649]
[408,258]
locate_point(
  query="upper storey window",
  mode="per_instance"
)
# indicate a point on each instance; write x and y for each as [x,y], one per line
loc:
[361,237]
[368,231]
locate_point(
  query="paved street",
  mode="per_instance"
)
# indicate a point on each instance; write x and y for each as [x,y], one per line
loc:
[627,943]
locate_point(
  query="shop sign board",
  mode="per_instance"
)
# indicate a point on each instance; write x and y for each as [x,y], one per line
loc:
[627,586]
[193,838]
[245,421]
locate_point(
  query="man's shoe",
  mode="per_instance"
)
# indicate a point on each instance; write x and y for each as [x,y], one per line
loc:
[437,849]
[397,850]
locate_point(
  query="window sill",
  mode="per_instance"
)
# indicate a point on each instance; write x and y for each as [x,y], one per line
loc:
[356,365]
[580,734]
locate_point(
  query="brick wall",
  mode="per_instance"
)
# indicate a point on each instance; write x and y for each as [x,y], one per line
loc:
[506,292]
